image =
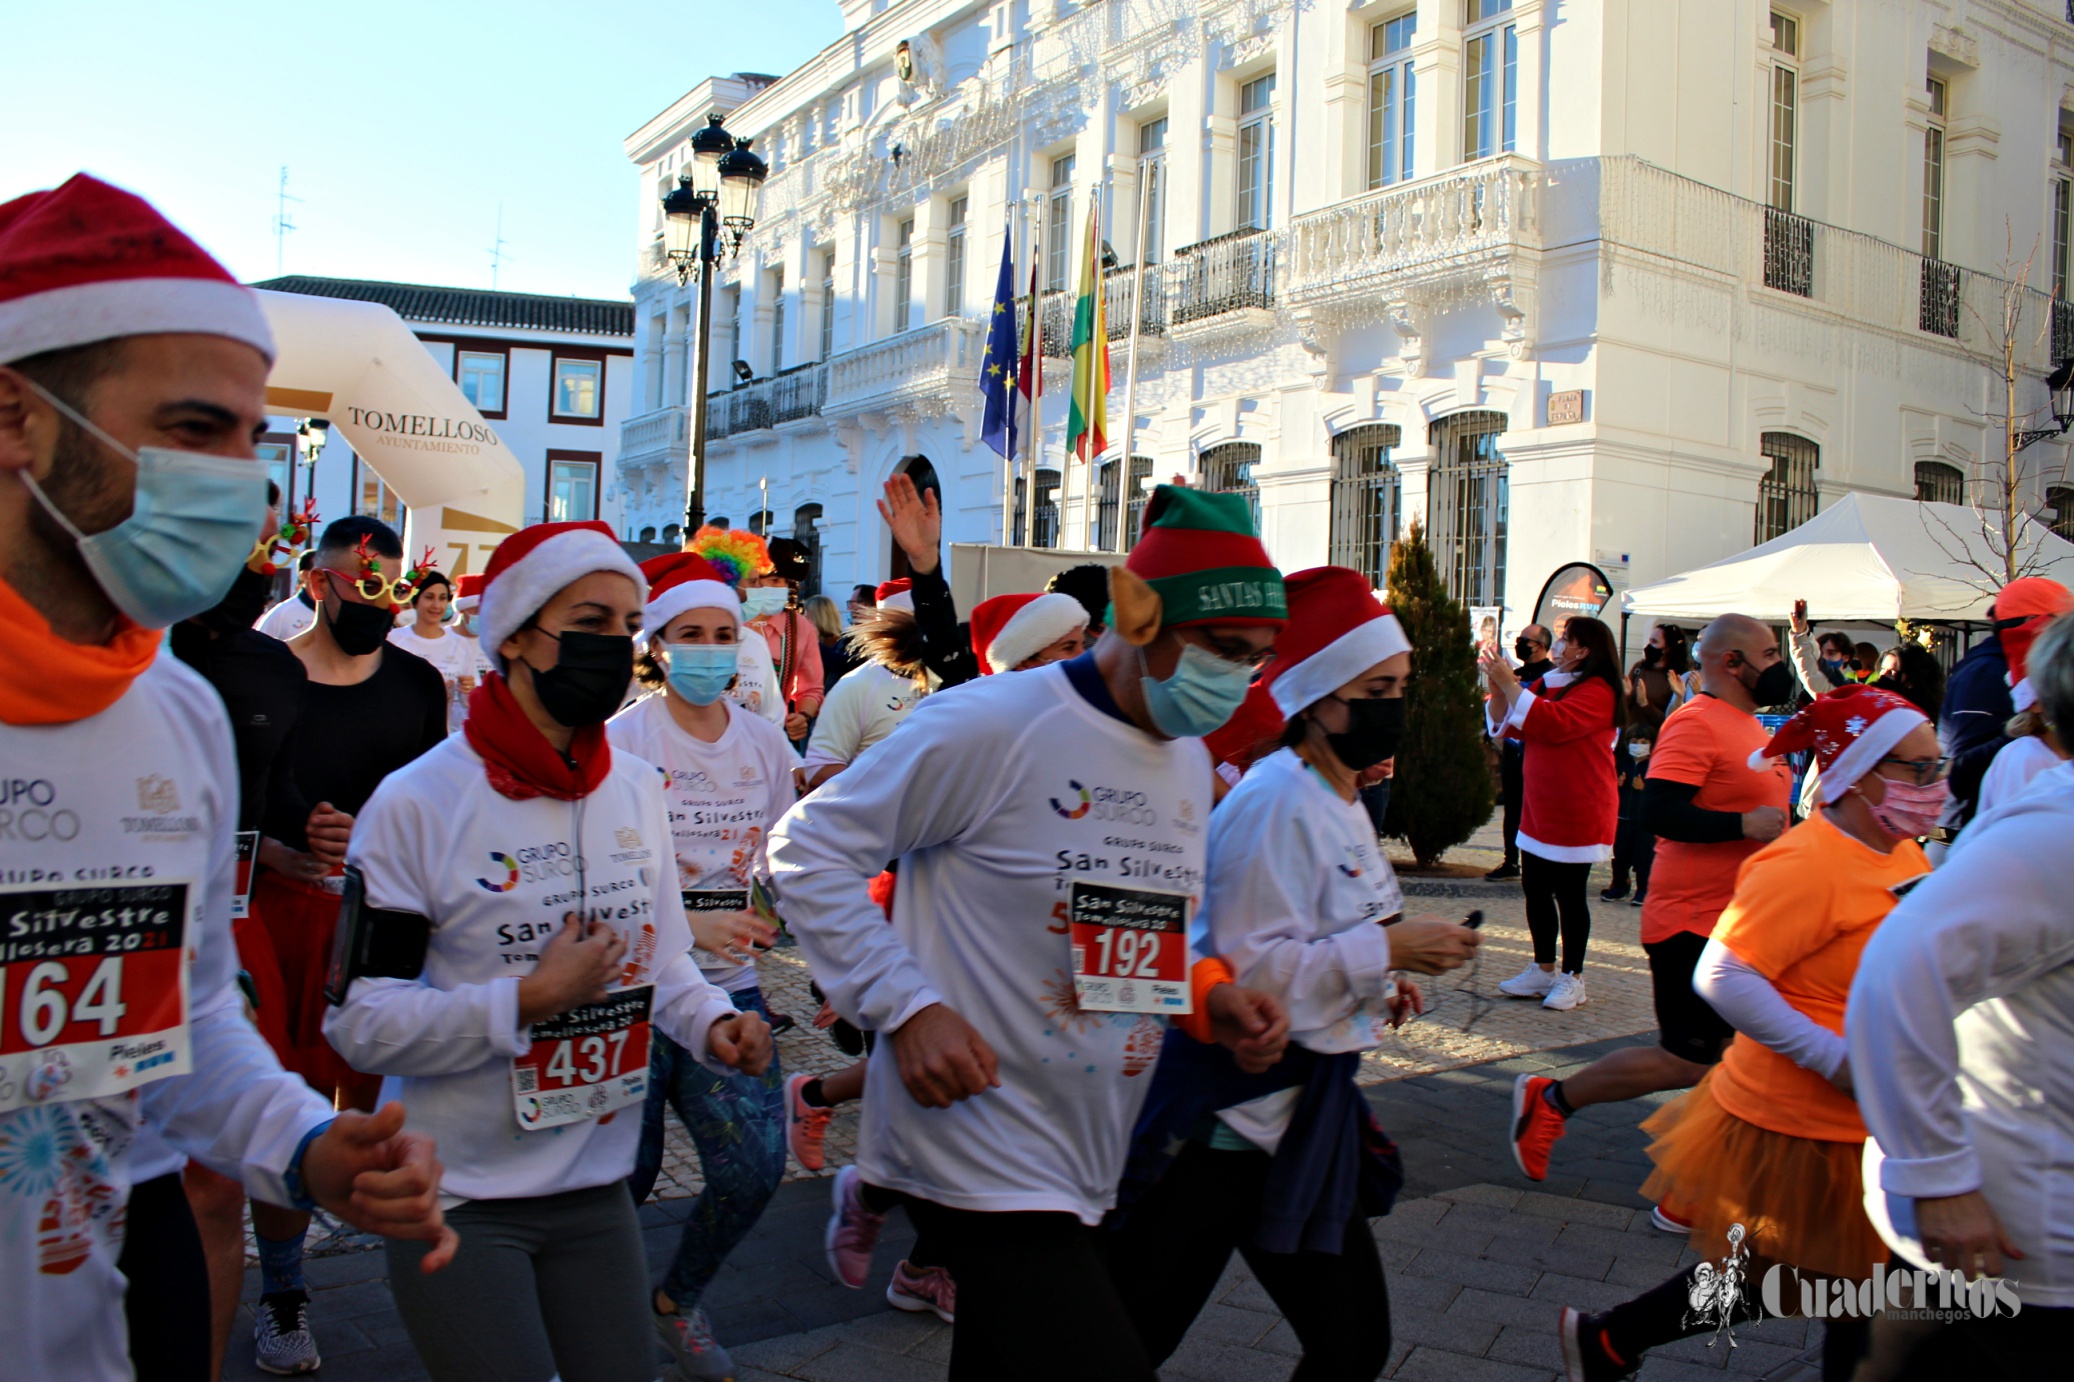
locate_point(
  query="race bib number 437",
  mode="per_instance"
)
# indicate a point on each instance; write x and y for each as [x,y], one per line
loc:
[93,990]
[1130,949]
[586,1062]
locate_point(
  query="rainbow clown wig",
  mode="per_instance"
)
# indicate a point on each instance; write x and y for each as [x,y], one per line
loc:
[736,554]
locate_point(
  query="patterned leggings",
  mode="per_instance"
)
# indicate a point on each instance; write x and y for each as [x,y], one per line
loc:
[738,1124]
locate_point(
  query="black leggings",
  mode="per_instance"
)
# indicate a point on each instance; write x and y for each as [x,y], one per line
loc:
[1557,889]
[1036,1301]
[167,1302]
[1175,1243]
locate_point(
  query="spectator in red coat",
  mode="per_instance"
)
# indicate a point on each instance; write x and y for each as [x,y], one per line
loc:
[1572,717]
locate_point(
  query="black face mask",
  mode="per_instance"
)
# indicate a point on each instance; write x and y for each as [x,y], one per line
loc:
[358,629]
[1374,729]
[1651,654]
[241,607]
[1523,650]
[589,678]
[1774,685]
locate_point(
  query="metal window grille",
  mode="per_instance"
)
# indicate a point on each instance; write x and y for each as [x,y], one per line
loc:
[1786,496]
[806,531]
[1227,468]
[1134,499]
[1223,275]
[2060,499]
[1937,308]
[1108,501]
[1789,252]
[2062,330]
[1467,500]
[1044,532]
[1938,483]
[1116,303]
[1367,495]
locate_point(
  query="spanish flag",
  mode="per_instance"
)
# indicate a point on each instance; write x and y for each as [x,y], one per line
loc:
[1087,420]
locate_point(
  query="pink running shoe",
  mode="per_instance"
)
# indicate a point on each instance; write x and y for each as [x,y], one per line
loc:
[806,1127]
[853,1231]
[923,1288]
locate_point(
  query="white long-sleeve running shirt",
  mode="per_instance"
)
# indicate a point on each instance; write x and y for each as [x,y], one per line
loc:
[995,801]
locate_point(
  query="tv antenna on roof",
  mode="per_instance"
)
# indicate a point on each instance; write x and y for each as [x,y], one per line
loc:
[497,254]
[282,225]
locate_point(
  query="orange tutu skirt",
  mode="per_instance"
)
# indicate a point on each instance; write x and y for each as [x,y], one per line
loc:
[1799,1200]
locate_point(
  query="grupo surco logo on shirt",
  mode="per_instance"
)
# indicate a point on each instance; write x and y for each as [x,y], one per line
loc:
[159,798]
[1113,805]
[29,812]
[505,864]
[425,431]
[532,864]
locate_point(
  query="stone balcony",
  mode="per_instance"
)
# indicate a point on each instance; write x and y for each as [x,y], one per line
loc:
[925,368]
[660,437]
[793,396]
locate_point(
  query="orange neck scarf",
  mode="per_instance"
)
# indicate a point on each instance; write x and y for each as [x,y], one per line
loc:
[57,682]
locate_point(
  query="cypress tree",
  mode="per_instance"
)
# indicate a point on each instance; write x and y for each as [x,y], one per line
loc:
[1441,791]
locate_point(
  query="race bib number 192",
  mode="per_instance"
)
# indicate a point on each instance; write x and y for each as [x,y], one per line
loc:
[1130,949]
[93,990]
[586,1062]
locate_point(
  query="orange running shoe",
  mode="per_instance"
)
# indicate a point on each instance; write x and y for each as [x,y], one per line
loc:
[1535,1125]
[806,1127]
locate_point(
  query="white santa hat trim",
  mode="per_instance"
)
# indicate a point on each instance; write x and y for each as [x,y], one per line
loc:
[518,592]
[1035,627]
[2022,696]
[688,595]
[83,313]
[1863,755]
[904,601]
[1338,663]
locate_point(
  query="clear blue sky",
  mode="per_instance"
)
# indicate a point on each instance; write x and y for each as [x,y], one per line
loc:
[403,125]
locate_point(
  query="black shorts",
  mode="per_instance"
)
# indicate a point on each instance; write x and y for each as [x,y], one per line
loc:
[1687,1025]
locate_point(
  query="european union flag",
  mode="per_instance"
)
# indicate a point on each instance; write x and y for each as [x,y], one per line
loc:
[997,365]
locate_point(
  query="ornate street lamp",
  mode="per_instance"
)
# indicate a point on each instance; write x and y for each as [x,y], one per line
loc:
[2059,386]
[705,217]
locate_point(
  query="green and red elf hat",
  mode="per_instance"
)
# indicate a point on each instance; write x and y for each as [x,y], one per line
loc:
[1202,560]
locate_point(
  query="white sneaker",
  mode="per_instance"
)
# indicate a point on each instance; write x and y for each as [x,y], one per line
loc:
[1531,982]
[1568,993]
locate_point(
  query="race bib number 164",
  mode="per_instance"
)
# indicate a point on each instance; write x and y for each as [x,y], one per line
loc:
[93,990]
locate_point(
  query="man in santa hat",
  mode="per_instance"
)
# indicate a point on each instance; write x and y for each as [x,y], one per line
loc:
[1977,703]
[132,389]
[1042,822]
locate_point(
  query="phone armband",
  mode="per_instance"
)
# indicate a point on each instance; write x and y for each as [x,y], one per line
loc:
[373,942]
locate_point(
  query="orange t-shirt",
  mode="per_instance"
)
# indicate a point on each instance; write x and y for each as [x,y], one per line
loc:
[1804,907]
[1707,743]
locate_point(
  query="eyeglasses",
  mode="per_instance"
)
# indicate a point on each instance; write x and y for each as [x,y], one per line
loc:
[375,589]
[1233,651]
[1926,770]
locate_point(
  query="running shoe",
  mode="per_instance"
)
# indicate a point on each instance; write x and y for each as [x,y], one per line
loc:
[1585,1355]
[1662,1216]
[1567,993]
[923,1288]
[1531,982]
[853,1230]
[1536,1124]
[281,1340]
[1641,896]
[688,1336]
[1502,874]
[1614,893]
[806,1127]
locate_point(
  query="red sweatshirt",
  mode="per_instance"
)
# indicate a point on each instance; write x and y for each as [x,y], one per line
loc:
[1572,798]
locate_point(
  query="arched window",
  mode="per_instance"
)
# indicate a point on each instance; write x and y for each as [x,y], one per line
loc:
[1366,494]
[1134,497]
[1786,496]
[1938,483]
[1228,468]
[673,534]
[2059,504]
[806,531]
[760,523]
[1467,501]
[647,534]
[919,470]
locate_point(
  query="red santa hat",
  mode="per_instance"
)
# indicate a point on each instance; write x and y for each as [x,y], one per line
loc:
[532,564]
[1010,628]
[468,593]
[1337,630]
[2022,610]
[678,581]
[87,262]
[897,595]
[1850,730]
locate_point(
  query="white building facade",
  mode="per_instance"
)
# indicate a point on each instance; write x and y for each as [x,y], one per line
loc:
[554,376]
[1634,282]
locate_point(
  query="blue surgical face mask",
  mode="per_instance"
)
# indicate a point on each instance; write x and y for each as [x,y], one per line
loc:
[760,600]
[700,672]
[1203,692]
[190,528]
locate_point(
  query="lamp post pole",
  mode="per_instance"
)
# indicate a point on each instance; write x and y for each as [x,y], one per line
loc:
[701,367]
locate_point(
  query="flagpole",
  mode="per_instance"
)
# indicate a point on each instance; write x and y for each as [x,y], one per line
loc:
[1009,393]
[1034,452]
[1149,172]
[1087,404]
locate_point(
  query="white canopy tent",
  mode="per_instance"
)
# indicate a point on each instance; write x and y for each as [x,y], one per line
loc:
[357,365]
[1867,558]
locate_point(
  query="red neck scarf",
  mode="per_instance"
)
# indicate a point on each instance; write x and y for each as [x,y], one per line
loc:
[520,761]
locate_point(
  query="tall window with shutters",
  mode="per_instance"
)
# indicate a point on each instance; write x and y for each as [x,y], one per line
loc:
[777,320]
[1490,79]
[904,276]
[1256,180]
[828,304]
[1392,100]
[954,259]
[1058,226]
[1152,187]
